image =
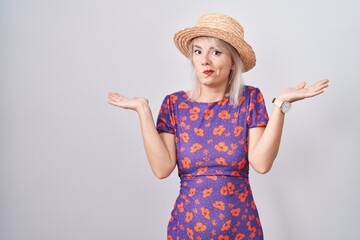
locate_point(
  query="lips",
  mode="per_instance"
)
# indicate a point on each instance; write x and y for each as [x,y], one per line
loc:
[208,72]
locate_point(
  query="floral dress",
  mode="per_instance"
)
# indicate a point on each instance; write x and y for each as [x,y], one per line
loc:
[215,199]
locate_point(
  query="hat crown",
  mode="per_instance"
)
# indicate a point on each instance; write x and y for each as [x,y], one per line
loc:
[218,26]
[221,22]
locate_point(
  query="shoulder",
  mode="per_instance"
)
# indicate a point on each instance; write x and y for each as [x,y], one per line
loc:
[247,90]
[176,97]
[251,91]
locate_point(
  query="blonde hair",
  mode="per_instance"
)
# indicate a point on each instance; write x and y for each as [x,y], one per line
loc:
[235,81]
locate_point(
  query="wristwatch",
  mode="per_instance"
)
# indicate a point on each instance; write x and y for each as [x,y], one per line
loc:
[284,106]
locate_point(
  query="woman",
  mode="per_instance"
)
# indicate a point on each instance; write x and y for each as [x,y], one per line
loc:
[214,132]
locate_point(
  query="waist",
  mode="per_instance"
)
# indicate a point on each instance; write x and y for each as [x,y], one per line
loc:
[212,179]
[204,186]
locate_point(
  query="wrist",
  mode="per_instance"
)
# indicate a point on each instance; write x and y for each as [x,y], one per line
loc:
[284,106]
[143,107]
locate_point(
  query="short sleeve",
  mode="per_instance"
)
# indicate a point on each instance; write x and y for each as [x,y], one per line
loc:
[166,119]
[258,116]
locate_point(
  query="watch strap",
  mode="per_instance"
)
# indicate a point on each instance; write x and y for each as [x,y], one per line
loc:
[277,102]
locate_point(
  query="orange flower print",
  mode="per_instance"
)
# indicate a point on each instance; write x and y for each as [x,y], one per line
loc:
[195,147]
[226,225]
[238,130]
[192,192]
[173,98]
[235,212]
[170,238]
[233,146]
[243,196]
[202,170]
[241,100]
[172,119]
[184,136]
[183,105]
[189,216]
[262,124]
[251,106]
[219,204]
[199,227]
[221,147]
[248,120]
[253,232]
[199,181]
[213,177]
[186,163]
[205,212]
[258,221]
[207,192]
[240,236]
[208,114]
[224,114]
[194,117]
[241,164]
[190,233]
[219,130]
[253,206]
[199,132]
[260,98]
[194,110]
[230,187]
[224,191]
[221,161]
[223,237]
[180,206]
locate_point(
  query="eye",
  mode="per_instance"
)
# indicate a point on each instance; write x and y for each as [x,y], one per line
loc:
[197,52]
[217,53]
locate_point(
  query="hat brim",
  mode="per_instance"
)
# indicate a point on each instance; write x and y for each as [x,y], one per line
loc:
[183,38]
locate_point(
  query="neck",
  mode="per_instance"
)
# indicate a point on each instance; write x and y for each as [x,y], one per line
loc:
[211,95]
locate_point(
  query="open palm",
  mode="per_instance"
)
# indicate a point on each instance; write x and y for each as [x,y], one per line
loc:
[301,91]
[122,101]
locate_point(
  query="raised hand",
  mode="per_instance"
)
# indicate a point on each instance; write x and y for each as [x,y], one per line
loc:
[301,91]
[122,101]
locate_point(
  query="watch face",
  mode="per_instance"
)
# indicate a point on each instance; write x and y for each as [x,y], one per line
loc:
[286,107]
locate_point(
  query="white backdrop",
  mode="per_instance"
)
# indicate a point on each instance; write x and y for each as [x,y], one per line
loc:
[73,167]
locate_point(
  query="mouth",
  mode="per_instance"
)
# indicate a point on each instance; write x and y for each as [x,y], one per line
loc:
[208,72]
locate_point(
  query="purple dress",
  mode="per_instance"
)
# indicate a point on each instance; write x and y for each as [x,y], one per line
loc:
[215,199]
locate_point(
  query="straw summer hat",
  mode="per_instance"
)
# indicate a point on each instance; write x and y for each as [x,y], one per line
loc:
[219,26]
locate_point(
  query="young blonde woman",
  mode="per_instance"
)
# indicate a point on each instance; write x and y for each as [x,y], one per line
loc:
[214,132]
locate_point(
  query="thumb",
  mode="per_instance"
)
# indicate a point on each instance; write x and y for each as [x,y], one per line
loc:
[301,85]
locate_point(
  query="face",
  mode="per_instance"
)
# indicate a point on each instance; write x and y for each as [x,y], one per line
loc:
[212,62]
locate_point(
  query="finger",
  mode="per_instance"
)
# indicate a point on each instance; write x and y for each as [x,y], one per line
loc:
[113,96]
[119,95]
[322,82]
[313,94]
[319,86]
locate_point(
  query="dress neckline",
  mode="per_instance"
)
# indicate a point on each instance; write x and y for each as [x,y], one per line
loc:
[207,103]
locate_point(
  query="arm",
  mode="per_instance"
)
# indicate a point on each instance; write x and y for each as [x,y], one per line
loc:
[160,148]
[264,143]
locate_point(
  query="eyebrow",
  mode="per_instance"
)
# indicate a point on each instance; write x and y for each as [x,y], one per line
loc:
[197,46]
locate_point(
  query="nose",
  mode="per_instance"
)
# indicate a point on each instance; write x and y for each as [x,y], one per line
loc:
[205,60]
